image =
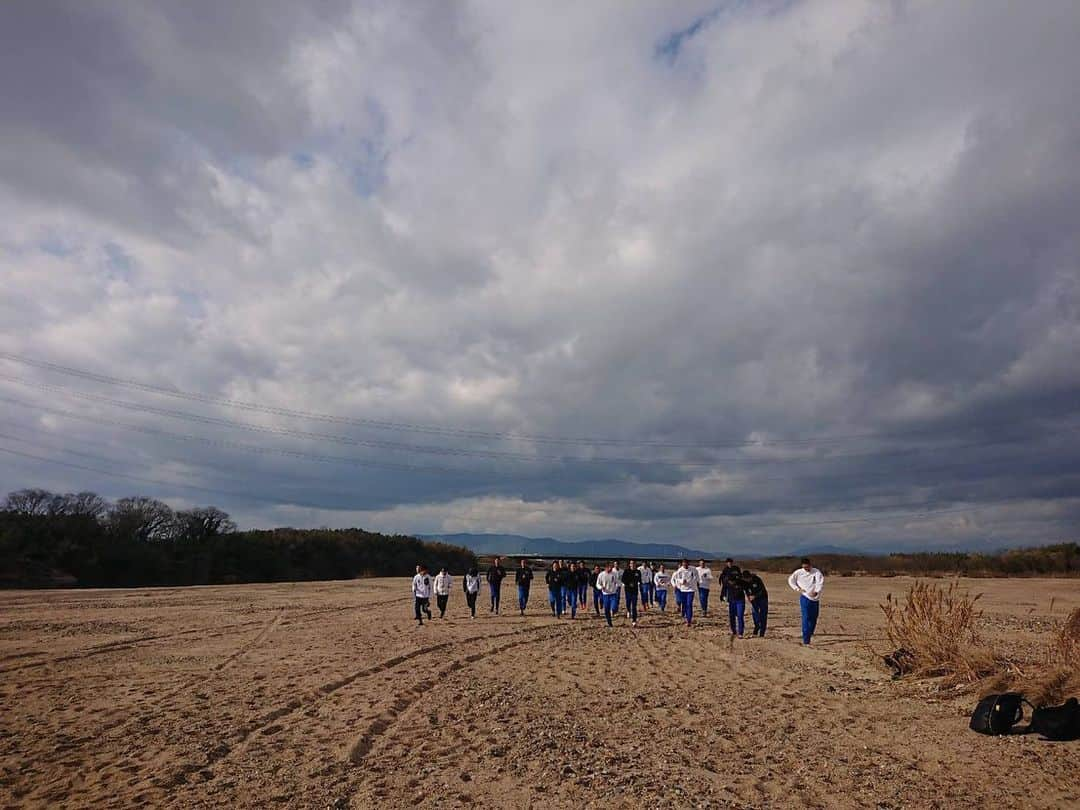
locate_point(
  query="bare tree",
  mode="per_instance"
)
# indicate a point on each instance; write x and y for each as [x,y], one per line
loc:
[88,504]
[30,502]
[144,519]
[197,525]
[79,504]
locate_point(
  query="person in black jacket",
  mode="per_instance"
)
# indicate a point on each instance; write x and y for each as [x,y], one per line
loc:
[758,594]
[736,599]
[523,577]
[583,584]
[553,578]
[631,580]
[495,575]
[569,589]
[729,564]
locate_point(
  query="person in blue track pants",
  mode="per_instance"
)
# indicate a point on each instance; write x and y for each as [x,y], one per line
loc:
[608,585]
[808,581]
[685,582]
[661,584]
[523,577]
[554,581]
[758,595]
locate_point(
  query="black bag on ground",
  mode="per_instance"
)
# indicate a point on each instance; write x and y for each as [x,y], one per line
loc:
[997,714]
[1057,722]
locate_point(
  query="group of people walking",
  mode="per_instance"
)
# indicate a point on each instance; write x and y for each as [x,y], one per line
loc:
[642,586]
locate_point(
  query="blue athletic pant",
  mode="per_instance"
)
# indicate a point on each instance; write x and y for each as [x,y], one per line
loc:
[703,595]
[631,604]
[685,600]
[597,600]
[495,594]
[810,610]
[616,596]
[759,610]
[737,616]
[569,597]
[523,597]
[611,605]
[661,598]
[555,599]
[646,593]
[583,593]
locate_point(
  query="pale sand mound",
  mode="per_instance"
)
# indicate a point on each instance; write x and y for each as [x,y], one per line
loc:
[325,694]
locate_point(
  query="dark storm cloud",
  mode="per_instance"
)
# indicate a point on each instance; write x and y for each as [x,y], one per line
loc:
[843,235]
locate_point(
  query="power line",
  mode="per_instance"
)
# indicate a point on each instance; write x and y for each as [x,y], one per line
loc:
[439,430]
[295,502]
[339,439]
[493,454]
[250,448]
[322,458]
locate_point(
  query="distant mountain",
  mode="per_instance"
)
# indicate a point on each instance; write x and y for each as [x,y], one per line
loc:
[811,551]
[512,544]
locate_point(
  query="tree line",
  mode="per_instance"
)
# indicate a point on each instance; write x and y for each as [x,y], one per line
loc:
[81,539]
[1062,559]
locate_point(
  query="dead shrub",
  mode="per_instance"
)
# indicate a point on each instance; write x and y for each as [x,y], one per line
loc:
[1059,677]
[934,632]
[1065,648]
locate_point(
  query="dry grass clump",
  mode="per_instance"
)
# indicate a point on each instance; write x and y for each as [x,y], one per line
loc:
[934,632]
[1059,676]
[1065,648]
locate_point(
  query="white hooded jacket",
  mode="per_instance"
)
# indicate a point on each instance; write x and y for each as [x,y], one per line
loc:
[685,580]
[443,581]
[421,586]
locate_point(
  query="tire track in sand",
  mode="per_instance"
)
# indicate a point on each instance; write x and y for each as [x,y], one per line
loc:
[403,702]
[128,643]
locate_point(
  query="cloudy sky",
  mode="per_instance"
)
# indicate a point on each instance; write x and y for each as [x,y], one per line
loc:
[743,275]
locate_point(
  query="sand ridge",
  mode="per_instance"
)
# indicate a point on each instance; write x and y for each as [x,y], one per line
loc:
[328,695]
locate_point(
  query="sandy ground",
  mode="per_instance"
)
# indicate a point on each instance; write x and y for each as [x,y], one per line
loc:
[327,695]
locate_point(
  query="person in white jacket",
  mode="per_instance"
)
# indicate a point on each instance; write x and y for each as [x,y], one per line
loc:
[470,583]
[704,575]
[608,585]
[646,585]
[618,578]
[808,581]
[443,581]
[661,583]
[421,591]
[685,582]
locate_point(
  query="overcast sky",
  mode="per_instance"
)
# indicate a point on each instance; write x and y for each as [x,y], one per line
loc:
[742,275]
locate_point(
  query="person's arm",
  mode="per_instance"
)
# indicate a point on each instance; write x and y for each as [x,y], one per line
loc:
[793,583]
[819,583]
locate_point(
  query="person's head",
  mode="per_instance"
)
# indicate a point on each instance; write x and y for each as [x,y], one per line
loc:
[418,567]
[497,560]
[596,567]
[728,563]
[573,566]
[608,568]
[661,568]
[442,570]
[423,569]
[630,564]
[473,571]
[701,563]
[522,562]
[805,563]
